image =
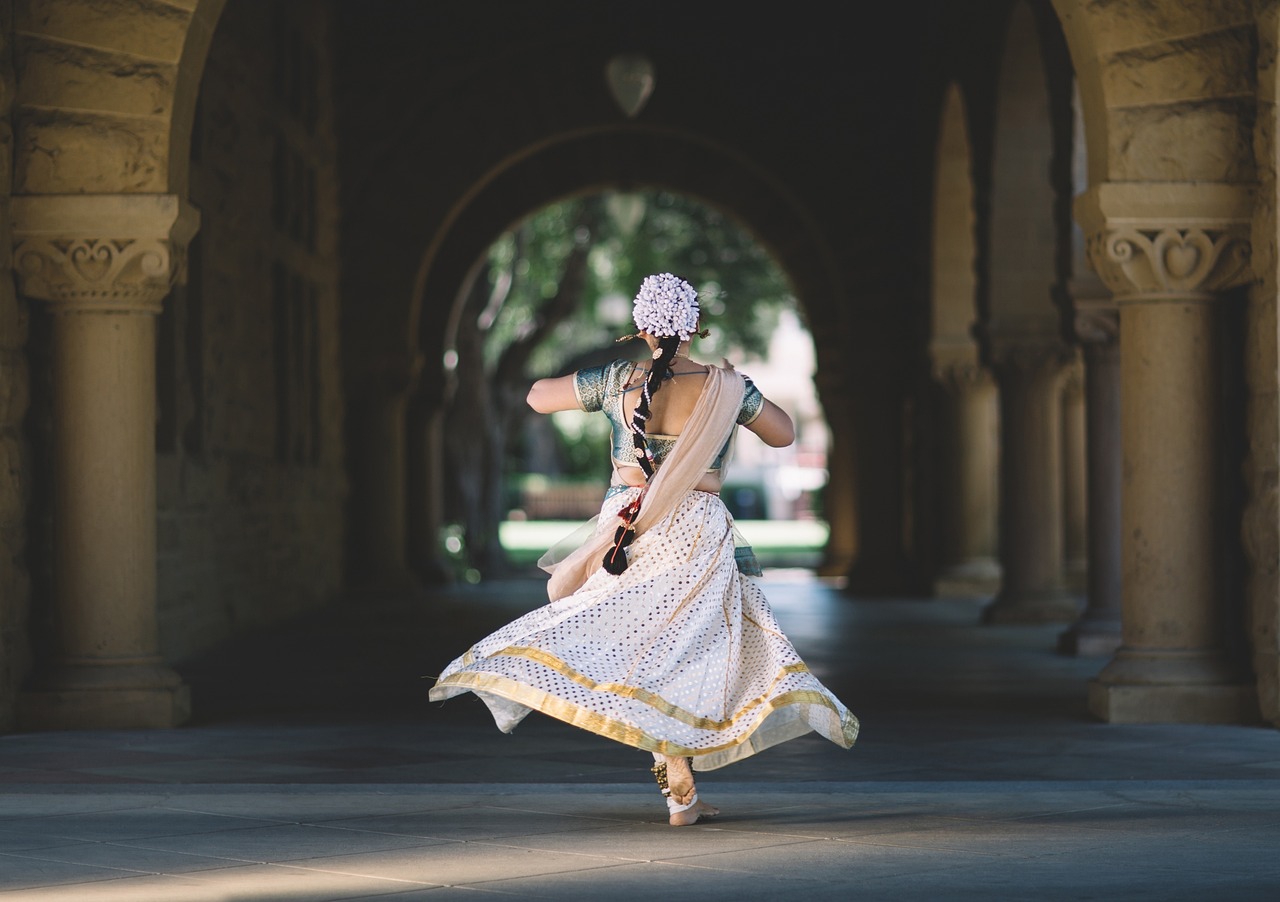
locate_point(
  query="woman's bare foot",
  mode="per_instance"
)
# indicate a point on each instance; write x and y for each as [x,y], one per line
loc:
[686,807]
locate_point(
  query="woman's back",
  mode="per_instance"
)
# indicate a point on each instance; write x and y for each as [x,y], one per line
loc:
[670,408]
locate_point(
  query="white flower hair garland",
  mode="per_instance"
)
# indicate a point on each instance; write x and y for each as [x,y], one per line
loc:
[666,305]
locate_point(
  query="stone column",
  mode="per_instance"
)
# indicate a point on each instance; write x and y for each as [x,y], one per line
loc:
[1097,632]
[1165,255]
[878,409]
[104,264]
[425,516]
[839,503]
[377,443]
[969,466]
[1030,372]
[1075,507]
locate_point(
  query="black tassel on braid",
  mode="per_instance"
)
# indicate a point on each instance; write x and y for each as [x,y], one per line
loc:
[615,559]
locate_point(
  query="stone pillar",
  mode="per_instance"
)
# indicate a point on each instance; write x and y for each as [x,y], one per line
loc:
[1075,507]
[425,516]
[839,503]
[104,264]
[969,466]
[1097,632]
[879,402]
[1165,254]
[377,445]
[1031,544]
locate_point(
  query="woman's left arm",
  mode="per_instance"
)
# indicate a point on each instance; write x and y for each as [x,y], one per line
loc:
[550,395]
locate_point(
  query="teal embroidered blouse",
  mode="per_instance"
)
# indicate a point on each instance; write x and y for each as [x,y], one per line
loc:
[600,388]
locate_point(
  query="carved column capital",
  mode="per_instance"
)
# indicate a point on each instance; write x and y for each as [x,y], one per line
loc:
[1031,360]
[1168,242]
[100,252]
[1152,261]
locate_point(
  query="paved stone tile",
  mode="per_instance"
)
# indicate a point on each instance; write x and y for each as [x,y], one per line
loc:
[826,860]
[313,805]
[132,858]
[282,843]
[479,822]
[658,880]
[131,823]
[141,888]
[214,770]
[451,864]
[648,842]
[19,872]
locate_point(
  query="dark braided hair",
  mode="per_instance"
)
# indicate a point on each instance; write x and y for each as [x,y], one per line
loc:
[615,559]
[666,353]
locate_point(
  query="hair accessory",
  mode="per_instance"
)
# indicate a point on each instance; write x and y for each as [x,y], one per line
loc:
[666,306]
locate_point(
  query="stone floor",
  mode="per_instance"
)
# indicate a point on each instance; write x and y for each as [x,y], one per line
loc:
[316,769]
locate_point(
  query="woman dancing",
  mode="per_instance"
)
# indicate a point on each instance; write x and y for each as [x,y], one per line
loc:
[655,635]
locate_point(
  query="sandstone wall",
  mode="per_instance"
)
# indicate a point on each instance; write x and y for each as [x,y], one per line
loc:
[15,476]
[251,482]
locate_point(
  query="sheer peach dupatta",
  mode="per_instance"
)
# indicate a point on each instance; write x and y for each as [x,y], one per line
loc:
[708,428]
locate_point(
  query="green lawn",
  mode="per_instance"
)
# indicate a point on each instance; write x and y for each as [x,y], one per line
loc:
[777,543]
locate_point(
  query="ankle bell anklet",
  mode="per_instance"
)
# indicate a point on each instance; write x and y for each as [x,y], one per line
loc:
[659,772]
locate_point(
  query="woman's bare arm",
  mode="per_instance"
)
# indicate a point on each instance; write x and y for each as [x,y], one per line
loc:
[773,426]
[550,395]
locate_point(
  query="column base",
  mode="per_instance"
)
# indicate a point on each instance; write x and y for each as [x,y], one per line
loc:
[1196,685]
[1189,703]
[977,577]
[1045,606]
[105,697]
[1091,638]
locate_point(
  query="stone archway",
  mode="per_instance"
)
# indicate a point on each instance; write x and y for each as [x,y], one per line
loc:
[625,156]
[102,118]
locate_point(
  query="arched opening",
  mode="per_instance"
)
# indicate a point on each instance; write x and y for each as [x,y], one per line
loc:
[550,297]
[617,158]
[1026,253]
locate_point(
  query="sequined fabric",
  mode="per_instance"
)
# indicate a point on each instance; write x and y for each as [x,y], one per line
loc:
[679,655]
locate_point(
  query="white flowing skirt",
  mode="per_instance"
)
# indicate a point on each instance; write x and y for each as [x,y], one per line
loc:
[679,655]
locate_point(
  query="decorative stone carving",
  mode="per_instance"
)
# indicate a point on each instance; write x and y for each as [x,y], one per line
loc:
[1176,241]
[1163,260]
[112,253]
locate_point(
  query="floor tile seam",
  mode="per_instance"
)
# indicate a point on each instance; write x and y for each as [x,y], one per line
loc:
[146,836]
[819,881]
[584,817]
[437,840]
[134,846]
[106,867]
[797,842]
[464,884]
[1079,844]
[290,866]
